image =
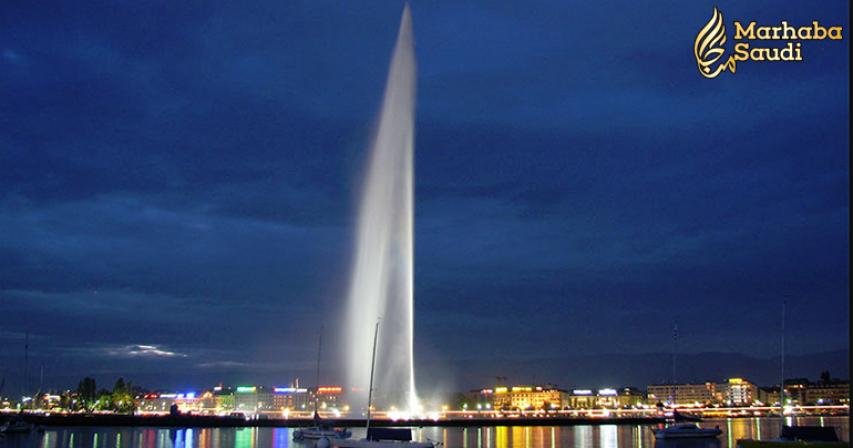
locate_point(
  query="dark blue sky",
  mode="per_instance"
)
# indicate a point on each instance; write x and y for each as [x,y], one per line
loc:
[178,183]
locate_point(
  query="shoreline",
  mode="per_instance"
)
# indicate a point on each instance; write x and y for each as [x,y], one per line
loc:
[198,421]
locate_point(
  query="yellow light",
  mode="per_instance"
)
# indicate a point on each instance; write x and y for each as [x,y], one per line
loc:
[500,390]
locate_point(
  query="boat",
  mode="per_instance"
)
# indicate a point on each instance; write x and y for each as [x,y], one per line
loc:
[679,417]
[377,437]
[320,430]
[799,436]
[16,426]
[384,438]
[794,436]
[685,431]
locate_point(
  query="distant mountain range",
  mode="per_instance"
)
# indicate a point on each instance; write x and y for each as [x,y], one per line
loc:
[597,371]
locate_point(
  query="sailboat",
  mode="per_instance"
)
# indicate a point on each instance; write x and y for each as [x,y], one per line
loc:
[379,437]
[320,430]
[795,436]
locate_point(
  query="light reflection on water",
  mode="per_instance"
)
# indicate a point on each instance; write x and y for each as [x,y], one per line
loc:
[603,436]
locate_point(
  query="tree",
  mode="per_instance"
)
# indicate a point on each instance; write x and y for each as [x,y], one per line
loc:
[86,391]
[122,397]
[104,401]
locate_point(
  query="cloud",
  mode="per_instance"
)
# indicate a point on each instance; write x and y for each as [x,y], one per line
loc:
[224,364]
[142,351]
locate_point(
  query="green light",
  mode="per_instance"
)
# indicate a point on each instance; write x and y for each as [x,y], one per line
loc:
[246,389]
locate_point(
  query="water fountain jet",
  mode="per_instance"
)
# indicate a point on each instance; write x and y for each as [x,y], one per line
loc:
[382,283]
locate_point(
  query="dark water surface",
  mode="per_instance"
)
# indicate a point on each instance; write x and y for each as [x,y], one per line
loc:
[603,436]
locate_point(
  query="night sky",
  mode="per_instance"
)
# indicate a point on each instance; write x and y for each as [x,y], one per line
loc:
[179,183]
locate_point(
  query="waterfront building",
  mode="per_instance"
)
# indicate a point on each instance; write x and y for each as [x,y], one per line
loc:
[605,398]
[834,393]
[696,394]
[291,398]
[328,397]
[266,401]
[223,399]
[795,392]
[799,391]
[529,397]
[188,402]
[208,402]
[768,396]
[738,392]
[582,399]
[246,399]
[47,401]
[630,397]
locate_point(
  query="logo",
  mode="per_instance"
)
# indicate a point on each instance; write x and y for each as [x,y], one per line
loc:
[782,43]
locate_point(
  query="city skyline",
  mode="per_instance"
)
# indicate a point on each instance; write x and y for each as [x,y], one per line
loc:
[179,189]
[827,393]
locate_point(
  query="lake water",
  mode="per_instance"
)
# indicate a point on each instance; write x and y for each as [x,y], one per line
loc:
[604,436]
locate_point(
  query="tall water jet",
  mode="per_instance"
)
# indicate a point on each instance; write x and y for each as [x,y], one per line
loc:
[382,283]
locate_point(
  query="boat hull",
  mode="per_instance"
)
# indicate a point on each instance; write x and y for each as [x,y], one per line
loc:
[363,443]
[316,434]
[703,434]
[749,443]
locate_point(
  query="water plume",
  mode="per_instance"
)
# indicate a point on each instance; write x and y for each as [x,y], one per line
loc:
[382,280]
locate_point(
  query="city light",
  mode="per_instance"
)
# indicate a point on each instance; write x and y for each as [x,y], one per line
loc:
[720,400]
[284,390]
[329,389]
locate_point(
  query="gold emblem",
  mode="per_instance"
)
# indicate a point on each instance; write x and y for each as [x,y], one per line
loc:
[708,47]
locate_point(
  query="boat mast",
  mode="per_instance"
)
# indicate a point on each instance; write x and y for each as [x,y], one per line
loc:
[674,396]
[317,378]
[782,383]
[27,364]
[370,389]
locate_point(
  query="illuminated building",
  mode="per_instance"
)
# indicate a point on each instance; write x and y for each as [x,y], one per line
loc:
[246,399]
[683,394]
[161,402]
[47,401]
[630,397]
[739,392]
[529,397]
[834,393]
[795,393]
[296,398]
[208,402]
[582,399]
[795,390]
[326,396]
[223,399]
[605,398]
